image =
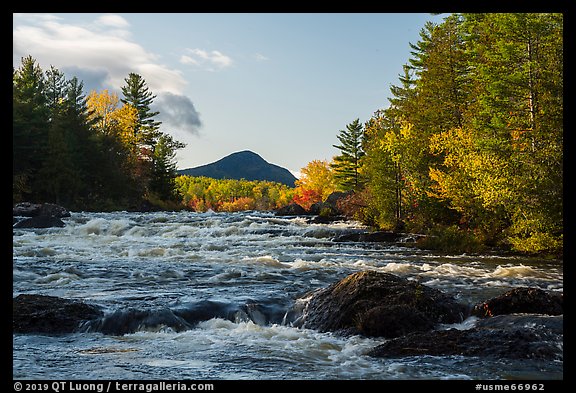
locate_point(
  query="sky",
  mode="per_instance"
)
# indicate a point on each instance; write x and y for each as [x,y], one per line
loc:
[279,84]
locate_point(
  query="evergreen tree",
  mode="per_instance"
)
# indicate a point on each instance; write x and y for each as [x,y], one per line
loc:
[164,170]
[473,134]
[157,149]
[55,89]
[64,174]
[30,117]
[137,94]
[347,165]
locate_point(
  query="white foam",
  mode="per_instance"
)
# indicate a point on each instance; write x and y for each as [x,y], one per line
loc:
[519,271]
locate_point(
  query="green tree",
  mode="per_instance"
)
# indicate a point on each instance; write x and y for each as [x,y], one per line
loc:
[384,182]
[473,134]
[347,165]
[30,117]
[164,169]
[61,175]
[137,94]
[517,117]
[157,149]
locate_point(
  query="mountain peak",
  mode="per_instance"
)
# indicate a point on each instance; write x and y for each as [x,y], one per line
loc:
[243,165]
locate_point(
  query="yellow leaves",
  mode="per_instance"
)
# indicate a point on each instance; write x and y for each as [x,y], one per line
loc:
[102,105]
[125,119]
[317,176]
[110,119]
[470,175]
[400,143]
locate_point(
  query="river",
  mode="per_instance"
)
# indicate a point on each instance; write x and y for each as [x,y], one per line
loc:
[246,269]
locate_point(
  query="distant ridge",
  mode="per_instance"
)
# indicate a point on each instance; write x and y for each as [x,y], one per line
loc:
[243,165]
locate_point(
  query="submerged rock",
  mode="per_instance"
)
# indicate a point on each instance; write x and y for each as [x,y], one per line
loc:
[379,305]
[131,320]
[50,314]
[514,337]
[521,300]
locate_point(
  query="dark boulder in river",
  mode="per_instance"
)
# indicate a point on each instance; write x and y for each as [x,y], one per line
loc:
[379,305]
[292,209]
[521,300]
[39,215]
[50,314]
[379,237]
[27,209]
[505,336]
[40,222]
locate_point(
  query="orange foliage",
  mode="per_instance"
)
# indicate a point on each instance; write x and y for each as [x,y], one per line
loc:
[306,197]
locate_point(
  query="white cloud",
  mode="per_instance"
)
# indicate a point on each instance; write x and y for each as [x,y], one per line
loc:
[188,60]
[102,54]
[260,57]
[211,61]
[102,45]
[113,21]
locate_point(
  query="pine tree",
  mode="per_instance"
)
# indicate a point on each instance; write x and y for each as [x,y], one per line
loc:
[63,177]
[30,117]
[164,170]
[347,165]
[157,149]
[137,94]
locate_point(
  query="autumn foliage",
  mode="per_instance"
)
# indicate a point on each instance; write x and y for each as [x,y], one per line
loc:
[315,184]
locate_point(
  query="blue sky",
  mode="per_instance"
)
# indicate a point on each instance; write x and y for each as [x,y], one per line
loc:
[281,85]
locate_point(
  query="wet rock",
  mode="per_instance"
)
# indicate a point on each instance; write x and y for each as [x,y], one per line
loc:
[326,219]
[378,236]
[27,209]
[50,314]
[38,215]
[521,300]
[131,320]
[293,209]
[379,305]
[512,339]
[40,222]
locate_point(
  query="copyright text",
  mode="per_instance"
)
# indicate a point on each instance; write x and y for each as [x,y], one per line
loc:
[110,386]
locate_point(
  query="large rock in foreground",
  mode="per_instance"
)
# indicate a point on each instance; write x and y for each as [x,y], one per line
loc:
[379,305]
[50,314]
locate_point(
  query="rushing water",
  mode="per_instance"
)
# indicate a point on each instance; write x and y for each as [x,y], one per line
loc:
[246,269]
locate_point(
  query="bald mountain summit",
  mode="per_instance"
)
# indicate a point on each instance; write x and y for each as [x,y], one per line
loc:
[242,165]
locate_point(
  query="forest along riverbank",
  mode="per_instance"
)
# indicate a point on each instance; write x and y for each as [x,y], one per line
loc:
[232,278]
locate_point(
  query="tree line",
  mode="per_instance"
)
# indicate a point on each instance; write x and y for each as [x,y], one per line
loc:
[203,193]
[92,152]
[471,143]
[469,148]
